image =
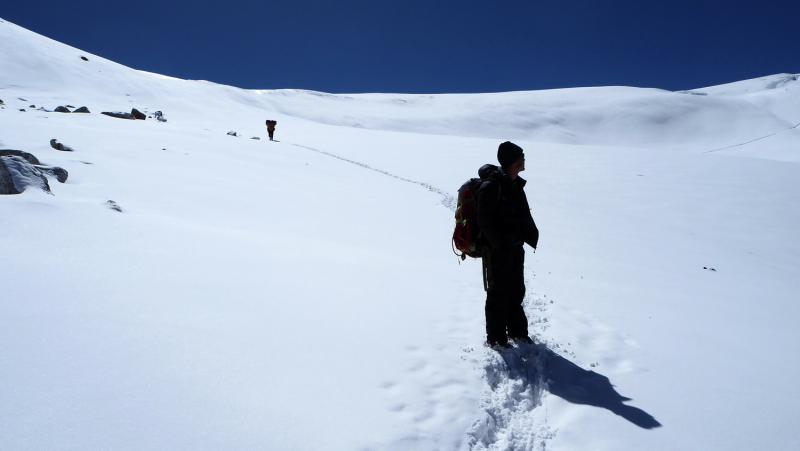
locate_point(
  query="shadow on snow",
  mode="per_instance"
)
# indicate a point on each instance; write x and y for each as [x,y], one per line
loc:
[517,378]
[579,386]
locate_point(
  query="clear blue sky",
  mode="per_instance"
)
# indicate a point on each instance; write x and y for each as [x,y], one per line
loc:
[431,46]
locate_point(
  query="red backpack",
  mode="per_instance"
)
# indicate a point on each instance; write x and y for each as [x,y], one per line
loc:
[467,235]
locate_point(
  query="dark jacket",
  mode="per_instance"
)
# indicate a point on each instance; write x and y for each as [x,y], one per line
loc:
[503,212]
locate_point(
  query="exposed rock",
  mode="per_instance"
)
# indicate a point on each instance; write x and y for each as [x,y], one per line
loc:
[22,109]
[138,114]
[255,137]
[32,167]
[41,108]
[58,146]
[1,102]
[84,58]
[62,109]
[30,158]
[113,205]
[21,175]
[6,183]
[56,172]
[31,106]
[232,133]
[69,106]
[118,114]
[160,116]
[82,109]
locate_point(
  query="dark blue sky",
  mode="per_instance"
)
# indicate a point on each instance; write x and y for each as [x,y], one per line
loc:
[431,46]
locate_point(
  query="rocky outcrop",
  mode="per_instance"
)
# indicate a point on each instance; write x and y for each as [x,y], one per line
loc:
[118,114]
[160,116]
[19,175]
[62,109]
[114,206]
[134,114]
[58,146]
[20,170]
[30,158]
[82,109]
[56,172]
[6,182]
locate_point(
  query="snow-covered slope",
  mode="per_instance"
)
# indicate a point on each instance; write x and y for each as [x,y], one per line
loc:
[619,116]
[301,294]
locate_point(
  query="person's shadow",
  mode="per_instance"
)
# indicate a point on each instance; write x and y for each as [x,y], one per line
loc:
[574,384]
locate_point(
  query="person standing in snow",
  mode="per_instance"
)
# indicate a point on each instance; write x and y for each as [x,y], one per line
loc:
[506,224]
[271,128]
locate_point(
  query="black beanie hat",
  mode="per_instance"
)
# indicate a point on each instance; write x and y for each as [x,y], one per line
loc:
[508,153]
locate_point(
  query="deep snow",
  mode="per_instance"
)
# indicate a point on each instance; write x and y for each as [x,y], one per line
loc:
[301,294]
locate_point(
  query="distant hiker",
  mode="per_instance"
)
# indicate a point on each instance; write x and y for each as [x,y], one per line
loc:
[271,128]
[504,218]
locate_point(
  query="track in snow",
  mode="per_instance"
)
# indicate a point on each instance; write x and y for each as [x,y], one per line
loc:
[754,140]
[514,410]
[448,200]
[517,380]
[511,418]
[517,377]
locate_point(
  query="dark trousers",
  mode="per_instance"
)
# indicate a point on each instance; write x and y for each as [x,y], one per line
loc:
[506,288]
[270,131]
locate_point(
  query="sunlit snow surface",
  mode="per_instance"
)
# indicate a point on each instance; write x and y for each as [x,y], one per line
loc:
[302,294]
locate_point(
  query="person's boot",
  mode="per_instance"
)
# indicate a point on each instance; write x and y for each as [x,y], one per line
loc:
[497,345]
[522,339]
